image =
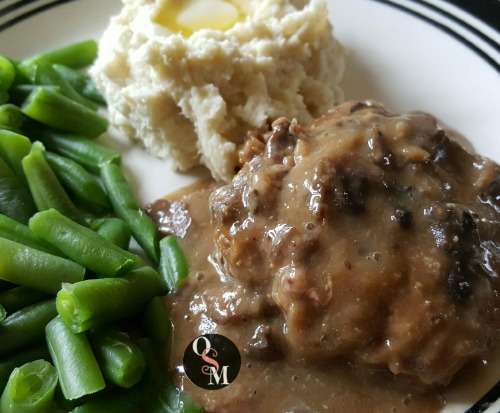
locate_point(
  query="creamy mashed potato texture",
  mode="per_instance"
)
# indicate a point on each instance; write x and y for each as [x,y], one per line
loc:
[189,78]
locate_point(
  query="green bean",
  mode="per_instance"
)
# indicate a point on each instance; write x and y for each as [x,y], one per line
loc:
[121,360]
[127,208]
[11,115]
[46,75]
[82,245]
[77,368]
[17,232]
[160,393]
[173,267]
[86,152]
[17,298]
[122,401]
[26,327]
[156,321]
[30,389]
[8,364]
[15,200]
[77,55]
[3,313]
[56,110]
[7,73]
[90,303]
[46,189]
[81,82]
[13,148]
[80,184]
[19,93]
[38,270]
[114,230]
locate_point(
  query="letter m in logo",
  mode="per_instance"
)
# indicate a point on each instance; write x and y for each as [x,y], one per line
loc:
[217,378]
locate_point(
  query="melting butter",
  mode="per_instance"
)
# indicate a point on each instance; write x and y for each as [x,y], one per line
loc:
[188,16]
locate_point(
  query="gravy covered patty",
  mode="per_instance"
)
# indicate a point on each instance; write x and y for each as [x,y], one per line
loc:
[366,237]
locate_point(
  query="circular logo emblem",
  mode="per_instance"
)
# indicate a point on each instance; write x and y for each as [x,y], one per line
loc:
[212,361]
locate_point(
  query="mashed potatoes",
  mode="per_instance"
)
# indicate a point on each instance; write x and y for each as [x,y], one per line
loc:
[188,78]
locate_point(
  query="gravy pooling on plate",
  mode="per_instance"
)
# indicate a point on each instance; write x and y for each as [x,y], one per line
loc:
[354,262]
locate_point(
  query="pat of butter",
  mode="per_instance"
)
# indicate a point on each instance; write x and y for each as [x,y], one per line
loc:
[208,14]
[189,16]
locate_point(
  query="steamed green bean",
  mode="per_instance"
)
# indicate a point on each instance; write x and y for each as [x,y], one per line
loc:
[156,321]
[30,389]
[38,270]
[114,230]
[173,267]
[79,184]
[46,189]
[26,327]
[54,109]
[122,361]
[127,208]
[77,368]
[13,148]
[15,200]
[76,55]
[82,245]
[86,152]
[91,303]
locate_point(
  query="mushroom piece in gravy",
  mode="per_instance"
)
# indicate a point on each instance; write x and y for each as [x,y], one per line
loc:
[354,262]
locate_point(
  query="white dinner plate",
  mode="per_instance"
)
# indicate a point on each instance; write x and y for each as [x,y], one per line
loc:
[426,55]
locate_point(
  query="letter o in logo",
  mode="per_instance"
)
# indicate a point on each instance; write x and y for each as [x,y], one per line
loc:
[195,342]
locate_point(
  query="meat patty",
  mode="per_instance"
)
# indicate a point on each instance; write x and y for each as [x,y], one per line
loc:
[374,236]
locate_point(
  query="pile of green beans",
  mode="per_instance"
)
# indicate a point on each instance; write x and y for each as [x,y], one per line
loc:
[81,316]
